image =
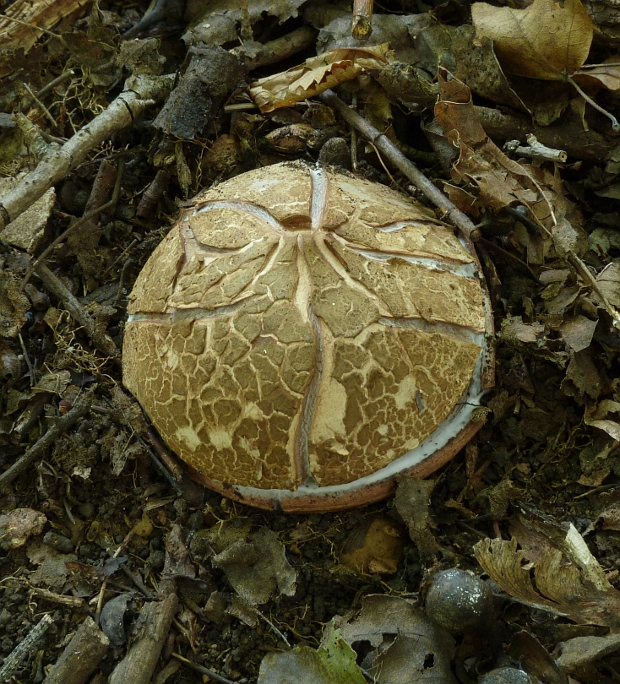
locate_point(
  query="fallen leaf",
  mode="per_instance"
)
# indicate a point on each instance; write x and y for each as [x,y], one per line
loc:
[501,181]
[257,568]
[599,418]
[547,40]
[333,663]
[577,332]
[514,328]
[407,646]
[608,281]
[580,651]
[315,75]
[478,68]
[552,583]
[402,32]
[606,74]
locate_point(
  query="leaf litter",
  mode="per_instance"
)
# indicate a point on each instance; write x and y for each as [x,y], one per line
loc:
[334,597]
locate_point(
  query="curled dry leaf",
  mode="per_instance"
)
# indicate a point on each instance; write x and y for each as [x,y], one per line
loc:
[551,583]
[547,40]
[315,75]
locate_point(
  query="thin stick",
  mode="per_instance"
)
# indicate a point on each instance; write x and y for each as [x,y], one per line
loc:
[381,142]
[139,93]
[615,126]
[203,670]
[74,226]
[15,657]
[62,424]
[361,26]
[102,342]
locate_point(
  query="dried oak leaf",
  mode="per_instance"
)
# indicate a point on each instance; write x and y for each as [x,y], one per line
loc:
[551,583]
[315,75]
[547,40]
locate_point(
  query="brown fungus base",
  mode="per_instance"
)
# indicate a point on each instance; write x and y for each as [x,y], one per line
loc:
[300,327]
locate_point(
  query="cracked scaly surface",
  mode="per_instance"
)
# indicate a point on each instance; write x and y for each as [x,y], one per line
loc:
[259,342]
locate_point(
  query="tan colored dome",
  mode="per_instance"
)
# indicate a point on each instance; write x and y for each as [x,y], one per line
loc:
[301,336]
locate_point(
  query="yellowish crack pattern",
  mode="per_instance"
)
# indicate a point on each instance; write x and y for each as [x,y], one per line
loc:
[231,391]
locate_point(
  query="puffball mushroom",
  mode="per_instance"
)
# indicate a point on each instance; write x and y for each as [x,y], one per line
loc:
[302,336]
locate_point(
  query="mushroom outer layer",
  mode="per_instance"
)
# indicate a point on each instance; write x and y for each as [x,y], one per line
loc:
[300,337]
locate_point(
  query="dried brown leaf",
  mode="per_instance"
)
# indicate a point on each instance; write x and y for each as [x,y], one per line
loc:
[608,281]
[606,74]
[375,547]
[316,75]
[551,583]
[501,181]
[599,418]
[547,40]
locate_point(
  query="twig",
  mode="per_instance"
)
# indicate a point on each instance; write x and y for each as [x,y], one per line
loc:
[140,92]
[203,670]
[54,82]
[361,26]
[615,126]
[81,656]
[280,48]
[102,341]
[138,665]
[14,659]
[430,191]
[62,424]
[587,276]
[74,226]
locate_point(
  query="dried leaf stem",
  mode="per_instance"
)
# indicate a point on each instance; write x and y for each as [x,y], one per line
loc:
[386,146]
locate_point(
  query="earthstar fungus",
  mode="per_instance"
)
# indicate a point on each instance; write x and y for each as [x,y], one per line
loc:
[302,336]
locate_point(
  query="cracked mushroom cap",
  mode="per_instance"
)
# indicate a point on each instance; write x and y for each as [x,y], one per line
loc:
[302,336]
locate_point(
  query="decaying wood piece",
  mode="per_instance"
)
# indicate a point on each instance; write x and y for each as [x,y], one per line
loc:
[22,22]
[138,665]
[140,92]
[361,26]
[81,656]
[13,661]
